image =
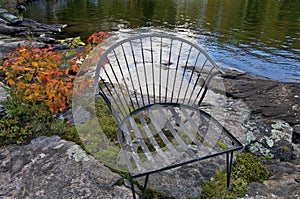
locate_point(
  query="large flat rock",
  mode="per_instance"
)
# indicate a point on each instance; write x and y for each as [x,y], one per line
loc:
[53,168]
[272,99]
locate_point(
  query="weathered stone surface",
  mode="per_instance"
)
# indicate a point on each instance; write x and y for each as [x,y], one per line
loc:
[3,94]
[9,44]
[283,184]
[53,168]
[10,30]
[267,98]
[12,19]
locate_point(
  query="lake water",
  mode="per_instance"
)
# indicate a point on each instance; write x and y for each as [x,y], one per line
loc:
[259,37]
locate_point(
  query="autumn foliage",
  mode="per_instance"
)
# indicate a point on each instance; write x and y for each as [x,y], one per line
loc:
[97,38]
[36,74]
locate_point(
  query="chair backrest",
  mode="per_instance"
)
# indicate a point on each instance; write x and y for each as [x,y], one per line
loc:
[153,68]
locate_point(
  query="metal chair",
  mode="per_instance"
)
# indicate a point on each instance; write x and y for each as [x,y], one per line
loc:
[154,85]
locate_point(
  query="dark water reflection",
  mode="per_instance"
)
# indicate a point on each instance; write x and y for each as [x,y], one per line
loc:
[259,37]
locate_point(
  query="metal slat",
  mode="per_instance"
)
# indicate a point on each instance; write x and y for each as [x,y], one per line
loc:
[139,139]
[151,138]
[202,146]
[176,71]
[132,152]
[152,63]
[130,76]
[161,134]
[175,134]
[145,75]
[191,77]
[196,127]
[118,81]
[183,126]
[168,69]
[111,94]
[137,72]
[208,134]
[184,71]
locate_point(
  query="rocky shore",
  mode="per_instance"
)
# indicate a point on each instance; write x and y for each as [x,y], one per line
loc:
[16,32]
[50,167]
[272,128]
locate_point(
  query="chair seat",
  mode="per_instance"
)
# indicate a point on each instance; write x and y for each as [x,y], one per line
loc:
[163,136]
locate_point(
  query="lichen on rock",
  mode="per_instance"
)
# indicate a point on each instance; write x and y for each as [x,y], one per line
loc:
[76,153]
[269,138]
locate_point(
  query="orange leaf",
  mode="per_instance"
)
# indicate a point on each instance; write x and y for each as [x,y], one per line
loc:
[10,82]
[34,64]
[20,85]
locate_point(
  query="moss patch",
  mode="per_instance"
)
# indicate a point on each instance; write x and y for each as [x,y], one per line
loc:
[246,169]
[26,121]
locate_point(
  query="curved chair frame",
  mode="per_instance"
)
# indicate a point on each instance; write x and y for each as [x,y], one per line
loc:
[154,85]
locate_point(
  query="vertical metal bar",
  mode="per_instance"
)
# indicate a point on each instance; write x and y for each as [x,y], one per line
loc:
[228,168]
[176,70]
[145,71]
[204,87]
[204,84]
[160,65]
[137,73]
[145,186]
[209,78]
[191,77]
[111,94]
[152,61]
[168,69]
[183,75]
[132,187]
[127,65]
[123,78]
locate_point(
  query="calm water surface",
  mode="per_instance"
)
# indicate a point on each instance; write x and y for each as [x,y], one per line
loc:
[259,37]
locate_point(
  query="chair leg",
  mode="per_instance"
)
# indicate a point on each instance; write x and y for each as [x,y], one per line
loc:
[144,188]
[132,187]
[229,157]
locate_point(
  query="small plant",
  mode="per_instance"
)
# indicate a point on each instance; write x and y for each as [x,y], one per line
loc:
[38,88]
[34,75]
[97,38]
[24,122]
[72,42]
[246,169]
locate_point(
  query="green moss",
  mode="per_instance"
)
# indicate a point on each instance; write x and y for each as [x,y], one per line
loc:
[266,157]
[26,121]
[221,145]
[155,195]
[285,147]
[106,121]
[246,169]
